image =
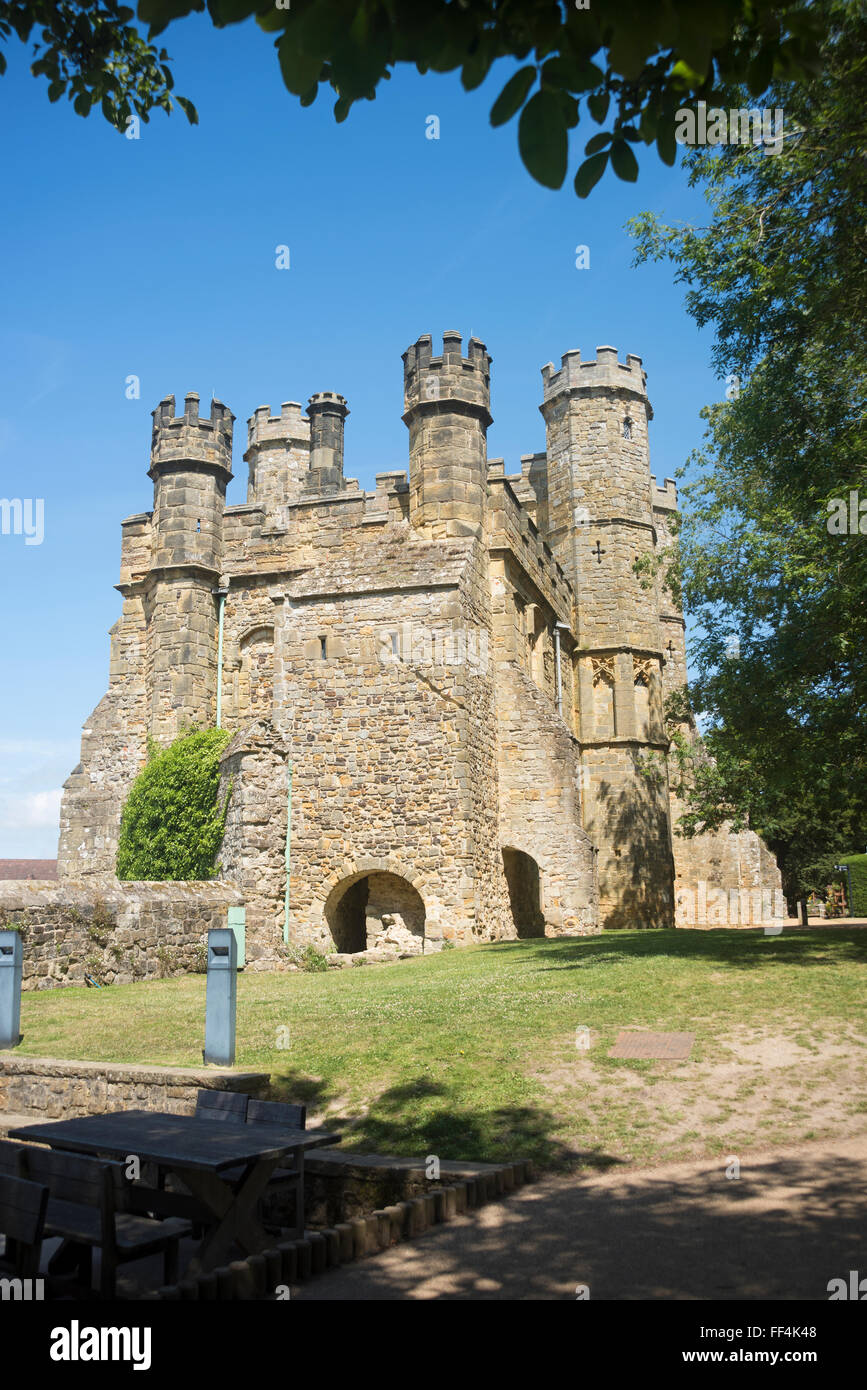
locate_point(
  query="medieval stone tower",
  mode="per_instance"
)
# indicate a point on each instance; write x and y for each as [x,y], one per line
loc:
[601,526]
[446,693]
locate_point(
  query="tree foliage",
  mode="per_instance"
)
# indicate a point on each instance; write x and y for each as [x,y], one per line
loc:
[627,62]
[857,876]
[779,600]
[95,55]
[172,823]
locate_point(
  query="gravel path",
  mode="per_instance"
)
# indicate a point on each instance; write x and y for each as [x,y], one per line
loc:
[792,1221]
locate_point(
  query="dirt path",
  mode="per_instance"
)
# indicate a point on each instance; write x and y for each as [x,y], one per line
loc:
[792,1221]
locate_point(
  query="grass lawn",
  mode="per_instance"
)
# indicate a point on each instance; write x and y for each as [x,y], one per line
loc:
[472,1053]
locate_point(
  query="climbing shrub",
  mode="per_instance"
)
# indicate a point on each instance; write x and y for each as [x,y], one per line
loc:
[858,872]
[172,823]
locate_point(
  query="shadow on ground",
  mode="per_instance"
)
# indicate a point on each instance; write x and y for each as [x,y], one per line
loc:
[422,1116]
[783,1230]
[744,948]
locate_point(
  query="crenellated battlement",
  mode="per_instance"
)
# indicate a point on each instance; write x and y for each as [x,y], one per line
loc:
[665,497]
[291,424]
[188,437]
[494,609]
[604,370]
[448,376]
[324,399]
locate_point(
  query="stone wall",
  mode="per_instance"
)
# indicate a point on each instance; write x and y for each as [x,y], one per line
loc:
[253,852]
[115,932]
[540,803]
[45,1088]
[725,879]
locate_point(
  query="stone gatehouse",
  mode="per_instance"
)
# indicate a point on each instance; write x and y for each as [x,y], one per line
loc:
[446,693]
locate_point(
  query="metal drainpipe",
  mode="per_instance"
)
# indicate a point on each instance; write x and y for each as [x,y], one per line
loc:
[288,851]
[221,595]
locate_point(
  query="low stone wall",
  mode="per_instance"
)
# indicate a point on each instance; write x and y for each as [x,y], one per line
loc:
[269,1275]
[112,931]
[342,1186]
[381,1197]
[48,1088]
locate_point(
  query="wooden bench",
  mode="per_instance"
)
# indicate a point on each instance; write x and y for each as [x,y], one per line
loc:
[9,1152]
[228,1106]
[22,1222]
[92,1204]
[286,1116]
[277,1112]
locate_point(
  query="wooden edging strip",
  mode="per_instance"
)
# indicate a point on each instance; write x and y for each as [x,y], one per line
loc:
[295,1261]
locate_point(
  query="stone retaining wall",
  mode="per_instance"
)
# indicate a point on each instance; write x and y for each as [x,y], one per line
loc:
[112,931]
[270,1275]
[45,1088]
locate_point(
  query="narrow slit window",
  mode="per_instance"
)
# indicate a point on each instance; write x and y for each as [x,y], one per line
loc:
[323,648]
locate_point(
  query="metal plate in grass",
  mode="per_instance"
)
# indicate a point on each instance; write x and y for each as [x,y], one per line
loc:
[664,1047]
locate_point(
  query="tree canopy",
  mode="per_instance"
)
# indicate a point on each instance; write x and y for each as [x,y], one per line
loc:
[774,581]
[625,62]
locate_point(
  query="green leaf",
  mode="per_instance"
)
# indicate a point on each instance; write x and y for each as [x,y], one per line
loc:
[597,105]
[623,161]
[273,20]
[319,29]
[585,76]
[300,70]
[476,68]
[512,96]
[590,173]
[557,72]
[543,139]
[225,12]
[571,111]
[598,142]
[694,40]
[630,48]
[666,144]
[647,125]
[188,109]
[760,72]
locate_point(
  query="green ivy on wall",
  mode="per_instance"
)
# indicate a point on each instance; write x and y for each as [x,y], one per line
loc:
[172,823]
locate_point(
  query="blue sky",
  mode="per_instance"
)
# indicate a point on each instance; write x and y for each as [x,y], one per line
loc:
[156,258]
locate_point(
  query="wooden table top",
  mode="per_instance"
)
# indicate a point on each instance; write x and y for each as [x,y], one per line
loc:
[174,1141]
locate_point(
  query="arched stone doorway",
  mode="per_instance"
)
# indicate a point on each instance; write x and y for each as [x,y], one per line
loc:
[525,893]
[376,911]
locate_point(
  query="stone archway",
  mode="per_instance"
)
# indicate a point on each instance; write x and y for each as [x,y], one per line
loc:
[376,910]
[525,892]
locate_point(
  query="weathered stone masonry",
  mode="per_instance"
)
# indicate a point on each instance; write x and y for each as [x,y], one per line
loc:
[459,672]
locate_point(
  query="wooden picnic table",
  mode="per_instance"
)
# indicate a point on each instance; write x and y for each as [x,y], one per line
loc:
[198,1151]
